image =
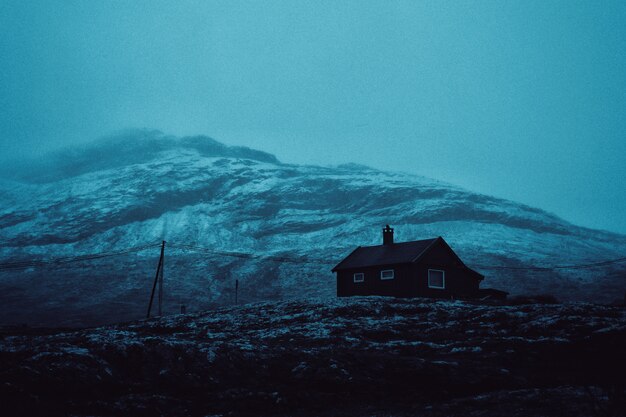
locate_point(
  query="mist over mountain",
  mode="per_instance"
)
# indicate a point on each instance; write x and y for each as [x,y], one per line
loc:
[142,187]
[124,148]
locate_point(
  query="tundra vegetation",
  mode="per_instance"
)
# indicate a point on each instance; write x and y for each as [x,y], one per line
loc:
[358,356]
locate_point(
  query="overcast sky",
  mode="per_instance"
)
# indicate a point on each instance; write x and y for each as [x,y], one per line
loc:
[523,100]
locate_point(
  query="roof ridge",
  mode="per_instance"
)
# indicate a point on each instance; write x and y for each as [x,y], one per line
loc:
[403,252]
[402,243]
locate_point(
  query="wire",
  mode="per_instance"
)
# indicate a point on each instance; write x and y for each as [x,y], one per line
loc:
[25,264]
[247,255]
[304,260]
[556,267]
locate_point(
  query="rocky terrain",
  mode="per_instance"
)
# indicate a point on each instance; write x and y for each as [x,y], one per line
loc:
[292,223]
[362,356]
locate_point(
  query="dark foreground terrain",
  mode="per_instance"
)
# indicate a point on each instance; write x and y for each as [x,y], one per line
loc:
[358,357]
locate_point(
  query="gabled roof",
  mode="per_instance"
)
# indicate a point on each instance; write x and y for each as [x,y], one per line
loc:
[396,253]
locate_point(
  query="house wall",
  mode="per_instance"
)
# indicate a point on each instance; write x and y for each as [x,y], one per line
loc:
[399,286]
[411,280]
[459,282]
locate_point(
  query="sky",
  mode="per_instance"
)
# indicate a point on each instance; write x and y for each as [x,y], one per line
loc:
[523,100]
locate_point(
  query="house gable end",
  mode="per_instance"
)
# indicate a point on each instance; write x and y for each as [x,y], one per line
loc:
[426,250]
[345,259]
[441,253]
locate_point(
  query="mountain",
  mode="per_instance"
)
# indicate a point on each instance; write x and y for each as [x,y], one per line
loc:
[348,357]
[289,224]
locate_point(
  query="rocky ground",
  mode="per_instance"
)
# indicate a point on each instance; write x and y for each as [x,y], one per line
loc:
[356,357]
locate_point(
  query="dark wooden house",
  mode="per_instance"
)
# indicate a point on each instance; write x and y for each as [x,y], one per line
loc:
[422,268]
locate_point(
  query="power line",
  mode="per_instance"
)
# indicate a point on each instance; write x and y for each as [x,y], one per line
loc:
[303,260]
[555,267]
[248,255]
[25,264]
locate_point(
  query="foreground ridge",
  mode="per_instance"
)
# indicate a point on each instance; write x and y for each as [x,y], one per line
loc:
[368,355]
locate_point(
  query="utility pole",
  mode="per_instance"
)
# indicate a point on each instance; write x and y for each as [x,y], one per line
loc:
[158,278]
[161,279]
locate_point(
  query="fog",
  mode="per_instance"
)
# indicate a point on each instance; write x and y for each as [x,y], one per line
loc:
[521,100]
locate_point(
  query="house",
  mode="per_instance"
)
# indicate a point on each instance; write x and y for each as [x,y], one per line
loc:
[422,268]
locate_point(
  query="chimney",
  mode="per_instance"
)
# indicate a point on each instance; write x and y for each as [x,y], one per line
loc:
[387,235]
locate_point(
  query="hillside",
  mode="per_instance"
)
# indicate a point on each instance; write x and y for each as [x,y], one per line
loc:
[362,356]
[143,187]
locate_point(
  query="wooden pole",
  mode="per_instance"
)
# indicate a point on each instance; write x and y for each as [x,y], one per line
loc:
[156,278]
[236,289]
[161,279]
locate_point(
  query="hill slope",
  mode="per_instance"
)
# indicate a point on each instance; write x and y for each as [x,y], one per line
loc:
[143,187]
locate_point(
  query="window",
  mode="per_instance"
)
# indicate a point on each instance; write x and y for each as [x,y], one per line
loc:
[436,279]
[386,274]
[359,277]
